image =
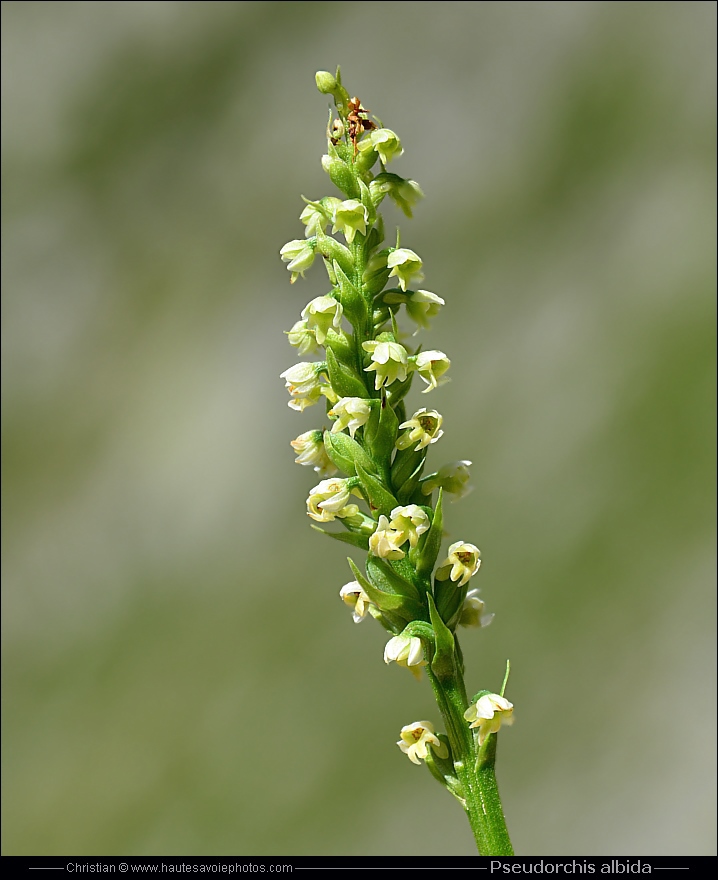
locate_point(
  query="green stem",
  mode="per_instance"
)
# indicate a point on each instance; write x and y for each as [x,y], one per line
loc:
[475,772]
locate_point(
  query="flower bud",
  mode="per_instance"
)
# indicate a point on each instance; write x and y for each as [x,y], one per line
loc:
[326,82]
[329,84]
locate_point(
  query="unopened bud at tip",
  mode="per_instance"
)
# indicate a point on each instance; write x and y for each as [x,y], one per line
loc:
[326,82]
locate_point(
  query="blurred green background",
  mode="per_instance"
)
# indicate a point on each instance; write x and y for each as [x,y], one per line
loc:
[180,676]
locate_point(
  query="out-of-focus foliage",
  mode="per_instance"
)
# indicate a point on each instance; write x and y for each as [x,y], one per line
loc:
[180,675]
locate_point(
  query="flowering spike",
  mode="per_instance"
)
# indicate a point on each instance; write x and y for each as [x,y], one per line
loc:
[381,503]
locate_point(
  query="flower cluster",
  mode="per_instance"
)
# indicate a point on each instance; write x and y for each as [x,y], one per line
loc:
[371,454]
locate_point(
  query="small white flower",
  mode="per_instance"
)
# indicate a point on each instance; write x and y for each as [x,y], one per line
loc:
[386,541]
[424,429]
[329,499]
[461,564]
[350,217]
[406,193]
[472,611]
[303,381]
[356,599]
[302,338]
[423,305]
[416,739]
[390,361]
[318,215]
[321,314]
[350,412]
[299,254]
[301,403]
[411,521]
[384,141]
[407,651]
[431,366]
[404,264]
[311,452]
[488,713]
[452,478]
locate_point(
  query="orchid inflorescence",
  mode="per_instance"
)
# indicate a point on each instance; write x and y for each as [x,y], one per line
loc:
[372,455]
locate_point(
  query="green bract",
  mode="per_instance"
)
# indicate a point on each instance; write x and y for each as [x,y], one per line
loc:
[371,455]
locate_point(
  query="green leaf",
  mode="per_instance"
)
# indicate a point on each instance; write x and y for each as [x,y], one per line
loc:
[405,464]
[342,346]
[352,538]
[443,661]
[442,769]
[343,379]
[399,390]
[374,239]
[358,576]
[354,304]
[377,282]
[381,590]
[427,558]
[383,437]
[406,492]
[365,159]
[384,577]
[449,599]
[346,453]
[392,622]
[341,174]
[367,201]
[335,251]
[376,493]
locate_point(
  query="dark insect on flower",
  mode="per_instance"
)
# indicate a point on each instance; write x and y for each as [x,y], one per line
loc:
[358,123]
